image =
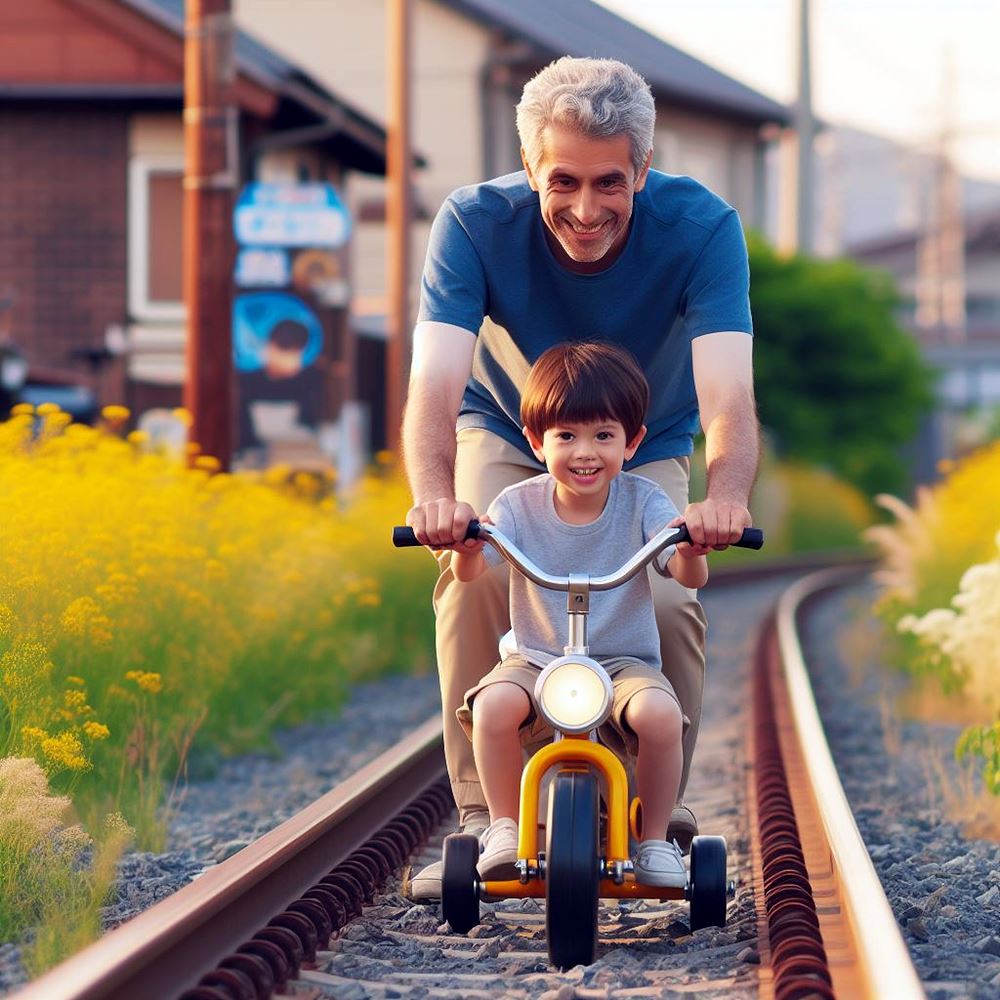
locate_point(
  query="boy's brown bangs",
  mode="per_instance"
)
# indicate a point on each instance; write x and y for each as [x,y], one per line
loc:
[583,403]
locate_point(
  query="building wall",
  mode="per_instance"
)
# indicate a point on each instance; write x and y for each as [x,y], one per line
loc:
[63,238]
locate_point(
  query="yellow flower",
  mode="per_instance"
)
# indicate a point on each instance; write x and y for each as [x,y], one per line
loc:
[23,410]
[65,750]
[84,619]
[96,730]
[116,414]
[138,438]
[208,463]
[75,680]
[147,681]
[369,601]
[385,457]
[47,409]
[75,699]
[183,416]
[8,622]
[33,735]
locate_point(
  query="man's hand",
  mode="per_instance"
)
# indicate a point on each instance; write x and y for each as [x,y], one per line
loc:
[715,524]
[441,523]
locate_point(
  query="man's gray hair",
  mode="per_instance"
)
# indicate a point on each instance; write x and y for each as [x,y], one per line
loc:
[595,97]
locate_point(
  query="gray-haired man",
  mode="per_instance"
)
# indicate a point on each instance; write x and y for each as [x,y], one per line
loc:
[586,243]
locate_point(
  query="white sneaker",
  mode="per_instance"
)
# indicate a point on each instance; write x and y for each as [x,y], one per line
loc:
[659,862]
[498,850]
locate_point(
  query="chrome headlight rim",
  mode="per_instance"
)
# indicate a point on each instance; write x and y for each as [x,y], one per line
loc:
[595,720]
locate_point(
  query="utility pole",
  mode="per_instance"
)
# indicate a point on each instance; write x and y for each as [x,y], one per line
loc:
[210,174]
[398,214]
[805,127]
[941,248]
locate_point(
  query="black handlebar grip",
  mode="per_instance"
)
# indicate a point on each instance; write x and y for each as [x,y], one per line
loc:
[403,536]
[752,538]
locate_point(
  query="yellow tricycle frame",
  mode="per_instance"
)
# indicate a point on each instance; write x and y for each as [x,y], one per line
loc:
[581,752]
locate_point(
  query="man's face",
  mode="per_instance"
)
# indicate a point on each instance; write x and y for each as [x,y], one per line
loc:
[585,188]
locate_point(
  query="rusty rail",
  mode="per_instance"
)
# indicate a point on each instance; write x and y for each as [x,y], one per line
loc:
[828,930]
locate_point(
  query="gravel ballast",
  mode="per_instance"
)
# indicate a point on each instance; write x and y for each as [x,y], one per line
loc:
[944,889]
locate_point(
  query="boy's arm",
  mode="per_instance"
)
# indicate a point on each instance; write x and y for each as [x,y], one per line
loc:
[467,565]
[687,564]
[687,567]
[468,562]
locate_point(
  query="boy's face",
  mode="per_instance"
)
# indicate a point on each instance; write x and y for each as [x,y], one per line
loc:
[583,458]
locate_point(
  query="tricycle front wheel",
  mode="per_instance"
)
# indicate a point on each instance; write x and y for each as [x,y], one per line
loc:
[572,869]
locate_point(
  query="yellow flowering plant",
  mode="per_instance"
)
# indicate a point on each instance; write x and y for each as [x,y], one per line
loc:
[940,594]
[189,611]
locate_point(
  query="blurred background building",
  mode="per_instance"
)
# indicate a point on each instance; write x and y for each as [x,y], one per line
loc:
[91,169]
[91,163]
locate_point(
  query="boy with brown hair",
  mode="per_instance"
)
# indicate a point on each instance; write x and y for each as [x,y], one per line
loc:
[582,408]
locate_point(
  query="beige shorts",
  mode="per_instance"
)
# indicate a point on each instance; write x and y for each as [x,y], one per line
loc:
[629,676]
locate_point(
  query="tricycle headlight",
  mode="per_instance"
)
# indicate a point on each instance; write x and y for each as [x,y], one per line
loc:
[574,694]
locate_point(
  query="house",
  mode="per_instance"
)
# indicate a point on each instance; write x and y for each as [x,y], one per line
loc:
[91,164]
[966,352]
[470,60]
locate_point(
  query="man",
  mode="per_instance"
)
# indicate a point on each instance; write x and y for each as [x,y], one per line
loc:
[587,243]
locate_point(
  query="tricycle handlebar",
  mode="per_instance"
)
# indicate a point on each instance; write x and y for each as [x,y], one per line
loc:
[752,538]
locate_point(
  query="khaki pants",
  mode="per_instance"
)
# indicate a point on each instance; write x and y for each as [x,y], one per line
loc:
[471,617]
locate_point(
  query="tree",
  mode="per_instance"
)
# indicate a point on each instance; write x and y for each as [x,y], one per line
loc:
[838,382]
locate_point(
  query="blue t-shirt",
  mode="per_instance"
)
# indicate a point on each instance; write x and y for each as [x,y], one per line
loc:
[682,273]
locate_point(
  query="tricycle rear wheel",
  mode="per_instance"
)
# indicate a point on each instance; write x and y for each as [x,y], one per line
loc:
[572,869]
[460,882]
[708,882]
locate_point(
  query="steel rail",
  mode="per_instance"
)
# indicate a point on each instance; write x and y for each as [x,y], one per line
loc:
[165,950]
[840,862]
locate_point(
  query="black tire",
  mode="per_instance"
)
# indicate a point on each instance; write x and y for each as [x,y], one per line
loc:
[572,869]
[460,882]
[708,882]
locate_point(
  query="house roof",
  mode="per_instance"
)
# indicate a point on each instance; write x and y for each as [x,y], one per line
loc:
[358,140]
[585,28]
[981,231]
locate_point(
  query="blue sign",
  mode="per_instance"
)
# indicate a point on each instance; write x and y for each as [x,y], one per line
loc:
[291,215]
[256,314]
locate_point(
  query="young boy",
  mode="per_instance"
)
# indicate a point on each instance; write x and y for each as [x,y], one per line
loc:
[582,409]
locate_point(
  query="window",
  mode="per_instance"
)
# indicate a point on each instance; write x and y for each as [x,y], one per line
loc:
[155,204]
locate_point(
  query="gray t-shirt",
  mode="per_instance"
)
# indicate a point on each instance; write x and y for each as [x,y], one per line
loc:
[621,621]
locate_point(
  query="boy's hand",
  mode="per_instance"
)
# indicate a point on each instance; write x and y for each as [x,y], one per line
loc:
[471,546]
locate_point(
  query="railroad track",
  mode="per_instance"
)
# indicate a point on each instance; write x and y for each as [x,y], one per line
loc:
[314,909]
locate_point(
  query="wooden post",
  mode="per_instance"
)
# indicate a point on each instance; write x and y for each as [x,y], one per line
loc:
[397,215]
[210,177]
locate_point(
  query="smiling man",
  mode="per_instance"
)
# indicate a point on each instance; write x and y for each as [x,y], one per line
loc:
[588,242]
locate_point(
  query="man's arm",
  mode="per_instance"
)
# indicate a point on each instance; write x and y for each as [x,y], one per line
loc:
[723,378]
[442,363]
